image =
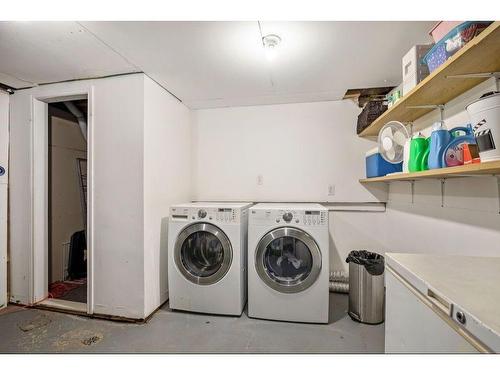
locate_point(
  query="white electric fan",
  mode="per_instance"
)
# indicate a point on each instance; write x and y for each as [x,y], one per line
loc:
[394,143]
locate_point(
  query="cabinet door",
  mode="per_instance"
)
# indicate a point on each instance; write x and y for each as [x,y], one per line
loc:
[413,327]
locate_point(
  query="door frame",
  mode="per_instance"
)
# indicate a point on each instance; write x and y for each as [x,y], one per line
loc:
[38,261]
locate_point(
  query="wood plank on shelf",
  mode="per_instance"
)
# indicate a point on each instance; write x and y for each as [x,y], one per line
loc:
[480,55]
[486,168]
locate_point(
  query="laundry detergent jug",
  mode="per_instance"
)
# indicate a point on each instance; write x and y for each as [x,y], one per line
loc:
[453,154]
[440,138]
[418,149]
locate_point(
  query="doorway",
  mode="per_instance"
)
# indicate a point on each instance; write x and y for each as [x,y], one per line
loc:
[67,203]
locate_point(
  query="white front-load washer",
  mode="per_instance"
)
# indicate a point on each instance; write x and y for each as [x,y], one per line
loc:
[288,262]
[207,257]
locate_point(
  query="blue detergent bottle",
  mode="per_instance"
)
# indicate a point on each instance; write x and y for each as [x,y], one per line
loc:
[440,138]
[453,154]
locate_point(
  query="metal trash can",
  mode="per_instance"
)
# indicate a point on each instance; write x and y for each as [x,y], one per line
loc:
[366,287]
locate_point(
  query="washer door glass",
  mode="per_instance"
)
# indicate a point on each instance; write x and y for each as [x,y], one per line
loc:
[203,253]
[288,260]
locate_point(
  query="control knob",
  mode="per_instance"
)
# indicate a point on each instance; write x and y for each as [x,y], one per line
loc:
[202,214]
[287,216]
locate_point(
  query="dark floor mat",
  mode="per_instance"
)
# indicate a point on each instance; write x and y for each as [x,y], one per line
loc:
[78,294]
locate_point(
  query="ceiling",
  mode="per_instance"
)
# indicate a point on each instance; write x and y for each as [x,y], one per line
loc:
[214,64]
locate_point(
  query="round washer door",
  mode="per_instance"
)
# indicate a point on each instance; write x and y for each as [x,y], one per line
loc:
[288,260]
[203,253]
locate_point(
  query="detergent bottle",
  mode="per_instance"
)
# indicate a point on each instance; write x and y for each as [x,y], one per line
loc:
[418,148]
[440,138]
[453,154]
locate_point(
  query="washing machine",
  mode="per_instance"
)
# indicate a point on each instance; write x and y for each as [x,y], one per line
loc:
[288,257]
[207,257]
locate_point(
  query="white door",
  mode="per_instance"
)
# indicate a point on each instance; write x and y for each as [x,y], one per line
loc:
[4,157]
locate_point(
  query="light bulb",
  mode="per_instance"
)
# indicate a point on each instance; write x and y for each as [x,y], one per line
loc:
[270,53]
[271,43]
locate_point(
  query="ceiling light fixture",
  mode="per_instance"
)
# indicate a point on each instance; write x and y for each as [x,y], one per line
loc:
[271,43]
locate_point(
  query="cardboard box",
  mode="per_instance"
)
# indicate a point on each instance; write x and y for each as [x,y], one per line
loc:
[409,84]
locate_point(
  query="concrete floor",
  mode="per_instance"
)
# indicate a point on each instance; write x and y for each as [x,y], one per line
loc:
[34,331]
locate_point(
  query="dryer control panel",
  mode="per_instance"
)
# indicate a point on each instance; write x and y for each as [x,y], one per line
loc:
[291,217]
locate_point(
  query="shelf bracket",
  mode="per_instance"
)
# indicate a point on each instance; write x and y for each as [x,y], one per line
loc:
[432,106]
[412,184]
[495,75]
[443,185]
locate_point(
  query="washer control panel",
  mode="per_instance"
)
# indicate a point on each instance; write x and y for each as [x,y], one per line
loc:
[315,217]
[208,214]
[291,217]
[225,215]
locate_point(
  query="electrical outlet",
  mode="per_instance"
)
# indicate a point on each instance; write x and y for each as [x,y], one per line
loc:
[260,180]
[331,189]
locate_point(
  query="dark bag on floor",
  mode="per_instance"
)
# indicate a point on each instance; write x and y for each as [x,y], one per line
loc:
[77,262]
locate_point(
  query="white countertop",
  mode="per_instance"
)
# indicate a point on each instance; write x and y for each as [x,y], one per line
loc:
[471,283]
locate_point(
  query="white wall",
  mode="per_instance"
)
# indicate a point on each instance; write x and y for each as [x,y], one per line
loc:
[311,145]
[118,159]
[469,221]
[298,149]
[4,153]
[167,181]
[467,224]
[140,147]
[117,152]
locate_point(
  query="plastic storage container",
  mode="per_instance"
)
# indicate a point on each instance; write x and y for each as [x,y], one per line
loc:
[366,287]
[376,166]
[453,42]
[485,117]
[442,28]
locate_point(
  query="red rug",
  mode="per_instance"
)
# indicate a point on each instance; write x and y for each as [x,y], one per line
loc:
[59,288]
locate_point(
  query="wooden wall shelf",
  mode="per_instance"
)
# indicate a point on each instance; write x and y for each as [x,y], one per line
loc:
[480,55]
[481,169]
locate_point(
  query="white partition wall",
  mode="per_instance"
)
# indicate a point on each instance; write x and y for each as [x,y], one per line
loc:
[167,181]
[124,256]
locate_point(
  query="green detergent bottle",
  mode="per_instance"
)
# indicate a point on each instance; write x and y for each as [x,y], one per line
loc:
[419,153]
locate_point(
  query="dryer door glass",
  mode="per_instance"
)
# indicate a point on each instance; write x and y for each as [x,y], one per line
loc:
[203,253]
[288,260]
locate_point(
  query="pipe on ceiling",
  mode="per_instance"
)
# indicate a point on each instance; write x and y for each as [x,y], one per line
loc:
[80,117]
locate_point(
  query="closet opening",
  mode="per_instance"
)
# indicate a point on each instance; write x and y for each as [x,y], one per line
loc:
[67,205]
